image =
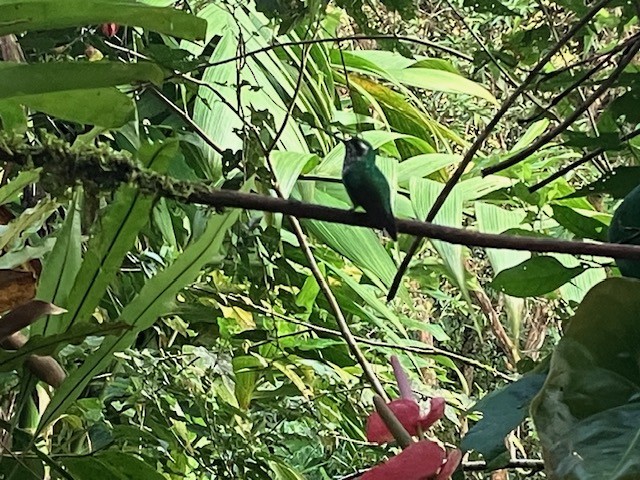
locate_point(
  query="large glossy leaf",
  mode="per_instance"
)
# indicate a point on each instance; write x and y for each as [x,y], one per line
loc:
[502,411]
[493,219]
[21,15]
[422,165]
[536,276]
[20,79]
[216,118]
[586,413]
[144,310]
[442,81]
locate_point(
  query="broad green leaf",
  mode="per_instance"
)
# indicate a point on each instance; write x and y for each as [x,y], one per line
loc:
[423,194]
[22,15]
[441,81]
[21,79]
[282,471]
[128,213]
[14,187]
[534,277]
[214,117]
[287,166]
[38,345]
[144,310]
[61,266]
[108,107]
[578,224]
[588,404]
[422,165]
[493,219]
[247,371]
[532,133]
[502,411]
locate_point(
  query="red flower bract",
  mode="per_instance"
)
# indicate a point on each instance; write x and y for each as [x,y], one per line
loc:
[419,461]
[453,460]
[407,411]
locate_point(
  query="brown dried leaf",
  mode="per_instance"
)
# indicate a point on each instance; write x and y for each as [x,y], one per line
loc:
[16,288]
[25,315]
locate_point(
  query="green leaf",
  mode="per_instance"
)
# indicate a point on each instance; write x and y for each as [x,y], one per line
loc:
[20,79]
[533,277]
[423,195]
[580,225]
[502,411]
[287,167]
[586,413]
[22,15]
[144,310]
[617,183]
[61,266]
[109,107]
[38,345]
[112,465]
[12,189]
[441,81]
[422,165]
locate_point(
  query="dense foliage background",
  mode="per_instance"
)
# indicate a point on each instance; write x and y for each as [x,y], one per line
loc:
[169,339]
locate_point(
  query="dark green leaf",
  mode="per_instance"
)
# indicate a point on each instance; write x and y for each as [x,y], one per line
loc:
[533,277]
[586,413]
[618,183]
[580,225]
[502,411]
[106,107]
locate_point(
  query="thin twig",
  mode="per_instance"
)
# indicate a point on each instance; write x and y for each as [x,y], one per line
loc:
[544,139]
[187,119]
[313,41]
[477,144]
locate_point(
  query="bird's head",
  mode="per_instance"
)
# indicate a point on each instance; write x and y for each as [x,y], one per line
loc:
[358,150]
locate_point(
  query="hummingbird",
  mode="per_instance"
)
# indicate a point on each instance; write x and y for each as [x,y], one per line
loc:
[366,185]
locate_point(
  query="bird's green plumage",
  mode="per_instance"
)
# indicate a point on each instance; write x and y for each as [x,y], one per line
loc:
[366,185]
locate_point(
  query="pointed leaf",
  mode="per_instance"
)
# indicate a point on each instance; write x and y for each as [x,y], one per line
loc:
[533,277]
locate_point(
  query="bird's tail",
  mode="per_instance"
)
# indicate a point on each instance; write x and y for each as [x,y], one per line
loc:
[390,226]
